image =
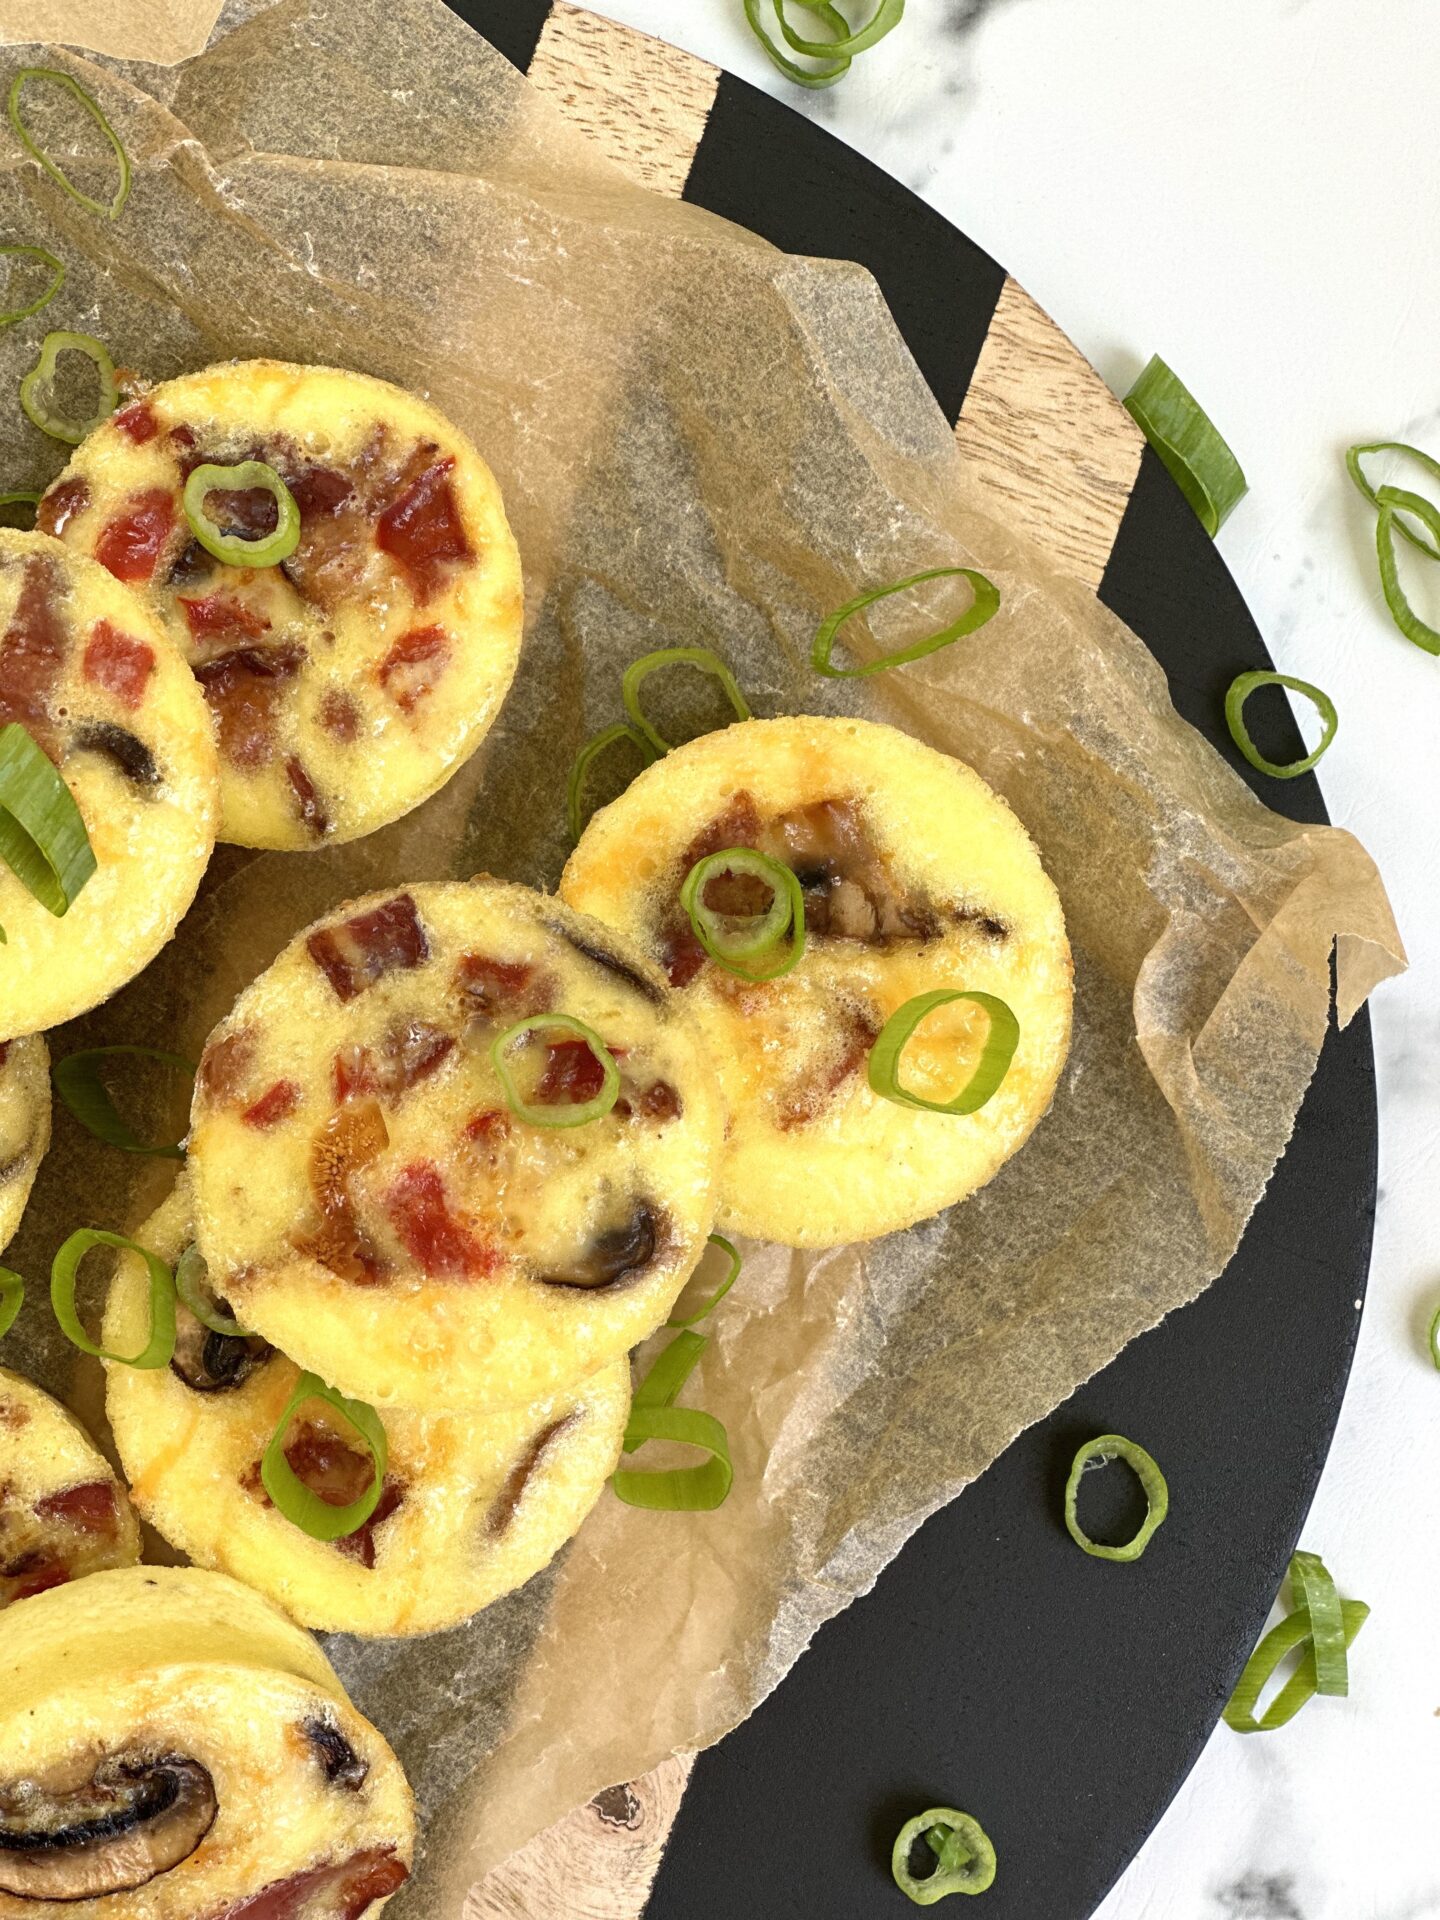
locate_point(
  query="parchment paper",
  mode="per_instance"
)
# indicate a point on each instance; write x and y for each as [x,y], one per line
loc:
[702,440]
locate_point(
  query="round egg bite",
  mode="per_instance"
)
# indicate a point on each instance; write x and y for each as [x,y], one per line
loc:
[63,1513]
[24,1124]
[471,1507]
[366,1197]
[352,679]
[915,876]
[90,675]
[173,1748]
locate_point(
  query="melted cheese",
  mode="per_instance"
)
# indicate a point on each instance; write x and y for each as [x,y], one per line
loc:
[24,1125]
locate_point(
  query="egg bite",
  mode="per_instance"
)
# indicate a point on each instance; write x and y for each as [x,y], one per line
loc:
[24,1125]
[63,1513]
[353,677]
[371,1202]
[173,1748]
[471,1507]
[92,677]
[915,876]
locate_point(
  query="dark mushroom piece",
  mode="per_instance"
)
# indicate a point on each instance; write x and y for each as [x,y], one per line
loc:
[615,1253]
[130,755]
[81,1838]
[342,1765]
[210,1362]
[609,962]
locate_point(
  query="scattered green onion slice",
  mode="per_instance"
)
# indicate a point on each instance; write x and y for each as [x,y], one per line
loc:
[292,1497]
[64,1271]
[1241,689]
[1357,473]
[110,209]
[758,946]
[965,1859]
[1181,432]
[12,1298]
[1112,1446]
[673,1366]
[591,751]
[578,1113]
[654,1416]
[237,549]
[42,834]
[640,670]
[1435,1337]
[887,15]
[21,497]
[38,386]
[192,1284]
[719,1240]
[1395,501]
[1315,1593]
[983,607]
[804,76]
[78,1083]
[1283,1638]
[990,1069]
[57,280]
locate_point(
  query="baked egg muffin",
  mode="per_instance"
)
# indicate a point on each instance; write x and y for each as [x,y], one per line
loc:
[372,1200]
[915,877]
[353,675]
[24,1124]
[92,678]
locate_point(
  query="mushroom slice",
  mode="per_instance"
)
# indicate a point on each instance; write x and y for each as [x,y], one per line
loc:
[614,1253]
[210,1362]
[80,1839]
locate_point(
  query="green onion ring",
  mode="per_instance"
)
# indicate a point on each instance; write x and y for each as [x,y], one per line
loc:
[1393,502]
[804,76]
[1180,431]
[1243,686]
[1352,461]
[78,1083]
[39,382]
[1283,1638]
[64,1271]
[965,1858]
[1113,1446]
[640,670]
[42,833]
[982,608]
[192,1285]
[990,1069]
[591,751]
[12,1298]
[654,1416]
[1315,1594]
[719,1240]
[578,1113]
[234,548]
[292,1497]
[57,280]
[93,108]
[1435,1337]
[20,497]
[887,15]
[765,952]
[672,1368]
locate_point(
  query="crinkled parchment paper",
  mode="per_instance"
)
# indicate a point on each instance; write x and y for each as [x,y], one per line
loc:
[701,440]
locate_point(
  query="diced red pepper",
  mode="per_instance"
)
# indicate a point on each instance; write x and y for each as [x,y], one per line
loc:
[223,613]
[137,422]
[360,951]
[442,1245]
[90,1508]
[52,1574]
[354,1884]
[414,666]
[422,530]
[130,545]
[60,505]
[277,1103]
[309,805]
[243,688]
[32,653]
[492,986]
[117,663]
[572,1074]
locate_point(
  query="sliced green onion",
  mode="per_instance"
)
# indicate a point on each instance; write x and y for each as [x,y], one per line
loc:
[804,76]
[578,1113]
[757,946]
[192,1284]
[965,1859]
[110,209]
[57,280]
[38,386]
[292,1497]
[654,1416]
[639,671]
[64,1272]
[240,550]
[1301,1687]
[990,1069]
[1241,689]
[591,751]
[21,497]
[719,1240]
[42,833]
[887,15]
[1315,1594]
[673,1366]
[1357,474]
[1395,501]
[983,607]
[12,1298]
[1180,431]
[78,1083]
[1435,1337]
[1112,1446]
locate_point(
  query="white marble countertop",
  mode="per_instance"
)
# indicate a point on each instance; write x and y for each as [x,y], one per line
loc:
[1246,187]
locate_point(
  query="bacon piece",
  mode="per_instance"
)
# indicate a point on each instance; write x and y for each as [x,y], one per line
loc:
[851,891]
[117,663]
[4,1052]
[572,1074]
[32,654]
[504,1505]
[61,504]
[137,422]
[307,799]
[130,545]
[349,1142]
[319,491]
[442,1245]
[683,956]
[39,1579]
[247,511]
[223,614]
[738,826]
[414,666]
[350,1886]
[243,688]
[808,1097]
[360,951]
[658,1101]
[327,565]
[353,1071]
[488,1130]
[225,1066]
[422,530]
[190,566]
[360,1545]
[339,715]
[324,1463]
[492,987]
[277,1103]
[412,1052]
[90,1508]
